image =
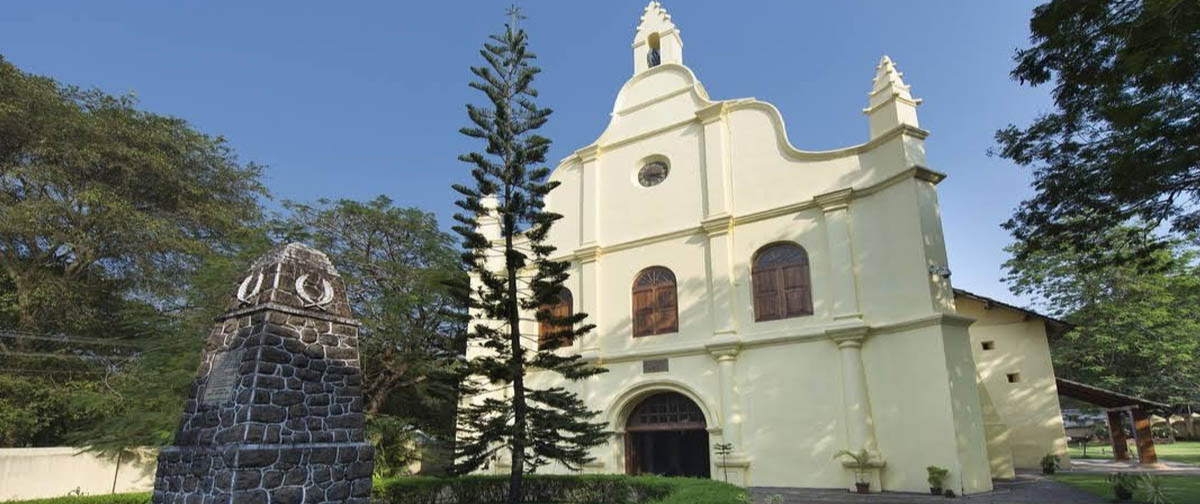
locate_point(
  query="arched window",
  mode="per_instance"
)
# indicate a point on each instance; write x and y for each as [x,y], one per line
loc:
[655,309]
[781,283]
[666,411]
[654,56]
[551,336]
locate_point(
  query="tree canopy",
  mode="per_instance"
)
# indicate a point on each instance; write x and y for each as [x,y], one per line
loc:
[99,199]
[1122,145]
[120,233]
[397,265]
[1136,325]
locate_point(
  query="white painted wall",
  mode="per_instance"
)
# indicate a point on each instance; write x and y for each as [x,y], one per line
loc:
[33,473]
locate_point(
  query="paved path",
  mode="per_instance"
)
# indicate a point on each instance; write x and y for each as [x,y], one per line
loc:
[1110,466]
[1025,489]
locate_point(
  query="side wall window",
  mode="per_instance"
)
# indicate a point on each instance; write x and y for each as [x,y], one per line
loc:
[655,307]
[781,282]
[552,336]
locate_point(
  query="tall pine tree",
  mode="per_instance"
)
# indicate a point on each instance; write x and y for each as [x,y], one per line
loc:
[513,274]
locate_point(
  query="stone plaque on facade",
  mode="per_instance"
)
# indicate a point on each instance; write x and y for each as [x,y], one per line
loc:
[222,377]
[655,366]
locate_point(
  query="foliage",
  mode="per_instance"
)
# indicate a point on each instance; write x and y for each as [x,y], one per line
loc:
[1135,326]
[513,274]
[1050,463]
[125,498]
[115,224]
[861,459]
[590,489]
[1120,145]
[1177,488]
[39,411]
[1123,483]
[395,445]
[396,264]
[1155,488]
[146,394]
[723,449]
[99,199]
[937,475]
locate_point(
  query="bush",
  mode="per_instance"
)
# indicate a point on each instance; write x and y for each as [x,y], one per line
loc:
[124,498]
[589,489]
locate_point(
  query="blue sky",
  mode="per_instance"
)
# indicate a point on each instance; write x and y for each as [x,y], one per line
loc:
[356,99]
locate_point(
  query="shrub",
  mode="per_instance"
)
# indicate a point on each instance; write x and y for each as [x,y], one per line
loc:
[936,476]
[589,489]
[125,498]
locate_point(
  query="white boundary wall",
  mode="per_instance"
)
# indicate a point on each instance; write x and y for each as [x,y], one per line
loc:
[32,473]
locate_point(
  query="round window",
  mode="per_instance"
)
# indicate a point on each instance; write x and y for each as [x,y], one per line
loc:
[653,173]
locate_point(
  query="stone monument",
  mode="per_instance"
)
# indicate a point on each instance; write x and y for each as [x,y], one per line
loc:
[274,415]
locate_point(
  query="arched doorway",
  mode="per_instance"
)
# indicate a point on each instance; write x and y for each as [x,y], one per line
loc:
[666,434]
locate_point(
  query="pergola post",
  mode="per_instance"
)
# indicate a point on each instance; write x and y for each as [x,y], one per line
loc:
[1116,429]
[1143,437]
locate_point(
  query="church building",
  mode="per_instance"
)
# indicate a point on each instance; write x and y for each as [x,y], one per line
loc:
[789,303]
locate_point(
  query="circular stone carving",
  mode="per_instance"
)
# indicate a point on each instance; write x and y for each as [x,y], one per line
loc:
[653,173]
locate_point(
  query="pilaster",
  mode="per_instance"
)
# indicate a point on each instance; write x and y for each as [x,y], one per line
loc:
[835,207]
[589,297]
[856,401]
[722,308]
[717,198]
[589,207]
[737,463]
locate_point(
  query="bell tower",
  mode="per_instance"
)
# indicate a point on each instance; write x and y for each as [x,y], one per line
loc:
[657,40]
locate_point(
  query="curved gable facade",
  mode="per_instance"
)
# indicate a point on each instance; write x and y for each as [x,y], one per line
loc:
[880,361]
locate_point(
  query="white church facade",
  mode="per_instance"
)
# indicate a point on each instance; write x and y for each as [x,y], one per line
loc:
[790,303]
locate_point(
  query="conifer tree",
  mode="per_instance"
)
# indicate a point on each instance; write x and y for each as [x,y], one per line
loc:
[513,274]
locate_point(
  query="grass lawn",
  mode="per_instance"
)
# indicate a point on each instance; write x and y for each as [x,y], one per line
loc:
[1180,489]
[126,498]
[1181,451]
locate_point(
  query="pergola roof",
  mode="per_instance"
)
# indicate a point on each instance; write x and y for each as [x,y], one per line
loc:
[1105,398]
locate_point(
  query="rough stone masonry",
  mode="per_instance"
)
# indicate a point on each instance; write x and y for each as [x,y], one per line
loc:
[275,414]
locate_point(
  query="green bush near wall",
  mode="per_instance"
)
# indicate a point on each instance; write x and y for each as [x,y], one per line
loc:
[124,498]
[587,489]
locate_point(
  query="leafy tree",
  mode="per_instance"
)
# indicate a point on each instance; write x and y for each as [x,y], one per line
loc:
[118,224]
[513,274]
[144,395]
[1135,328]
[396,264]
[1121,144]
[99,199]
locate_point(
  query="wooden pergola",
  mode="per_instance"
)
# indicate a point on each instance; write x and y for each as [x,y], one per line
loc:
[1118,405]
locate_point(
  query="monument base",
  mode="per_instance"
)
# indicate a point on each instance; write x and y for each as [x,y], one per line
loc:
[265,474]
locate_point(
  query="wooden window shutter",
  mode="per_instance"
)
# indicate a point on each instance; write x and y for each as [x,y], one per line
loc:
[797,290]
[643,313]
[667,316]
[781,282]
[552,336]
[766,294]
[655,303]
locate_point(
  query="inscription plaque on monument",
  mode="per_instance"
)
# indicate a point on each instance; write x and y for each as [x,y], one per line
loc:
[223,377]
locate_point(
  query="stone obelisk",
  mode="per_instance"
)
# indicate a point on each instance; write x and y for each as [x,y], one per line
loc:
[274,415]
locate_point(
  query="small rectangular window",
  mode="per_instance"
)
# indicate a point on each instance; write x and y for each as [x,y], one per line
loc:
[1014,377]
[989,345]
